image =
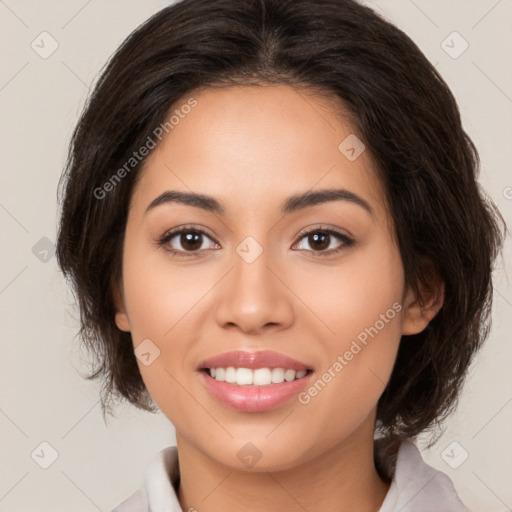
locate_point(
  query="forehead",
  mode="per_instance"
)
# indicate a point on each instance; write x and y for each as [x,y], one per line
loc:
[256,145]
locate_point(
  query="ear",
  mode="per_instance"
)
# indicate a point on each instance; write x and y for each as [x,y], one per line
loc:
[121,316]
[419,311]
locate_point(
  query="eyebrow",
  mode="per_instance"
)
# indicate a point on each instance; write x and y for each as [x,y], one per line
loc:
[292,204]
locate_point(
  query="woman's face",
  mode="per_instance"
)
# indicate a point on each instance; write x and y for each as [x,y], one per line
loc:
[256,281]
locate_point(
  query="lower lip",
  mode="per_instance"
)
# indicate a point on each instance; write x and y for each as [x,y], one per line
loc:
[254,398]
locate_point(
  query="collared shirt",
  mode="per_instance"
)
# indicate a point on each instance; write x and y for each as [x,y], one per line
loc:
[415,486]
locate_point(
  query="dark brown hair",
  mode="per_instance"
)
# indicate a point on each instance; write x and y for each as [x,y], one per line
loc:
[397,101]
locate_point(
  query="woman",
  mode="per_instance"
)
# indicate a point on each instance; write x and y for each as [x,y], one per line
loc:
[273,226]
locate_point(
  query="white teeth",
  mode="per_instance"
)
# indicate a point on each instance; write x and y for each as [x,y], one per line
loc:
[262,377]
[289,375]
[258,377]
[243,376]
[277,375]
[230,374]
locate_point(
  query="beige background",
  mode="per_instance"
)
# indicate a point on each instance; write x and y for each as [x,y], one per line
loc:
[44,399]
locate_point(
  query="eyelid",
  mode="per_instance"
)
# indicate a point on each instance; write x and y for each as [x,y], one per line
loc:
[324,228]
[348,240]
[171,233]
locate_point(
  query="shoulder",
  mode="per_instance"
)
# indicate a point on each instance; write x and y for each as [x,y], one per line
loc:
[418,487]
[159,490]
[136,502]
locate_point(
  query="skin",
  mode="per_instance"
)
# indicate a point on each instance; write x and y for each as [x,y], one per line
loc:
[251,148]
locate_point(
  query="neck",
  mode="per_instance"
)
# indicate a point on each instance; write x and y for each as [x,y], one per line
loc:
[342,478]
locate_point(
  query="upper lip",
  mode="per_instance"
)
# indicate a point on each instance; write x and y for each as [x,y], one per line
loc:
[253,361]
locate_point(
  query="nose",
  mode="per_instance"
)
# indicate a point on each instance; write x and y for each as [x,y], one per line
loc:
[254,297]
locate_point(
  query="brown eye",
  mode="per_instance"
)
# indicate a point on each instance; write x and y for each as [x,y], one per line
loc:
[190,241]
[320,240]
[183,241]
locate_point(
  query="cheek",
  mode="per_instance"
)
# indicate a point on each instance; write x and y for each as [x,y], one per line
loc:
[159,293]
[360,306]
[162,302]
[352,296]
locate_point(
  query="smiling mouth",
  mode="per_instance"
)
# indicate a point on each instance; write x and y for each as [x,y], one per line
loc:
[255,377]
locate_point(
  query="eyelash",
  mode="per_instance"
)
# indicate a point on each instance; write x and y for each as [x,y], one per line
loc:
[169,235]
